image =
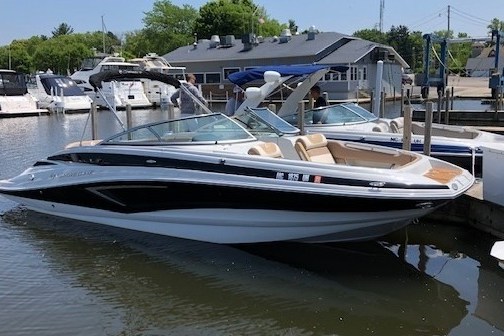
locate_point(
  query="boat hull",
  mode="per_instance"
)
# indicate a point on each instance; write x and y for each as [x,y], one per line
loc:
[225,211]
[232,226]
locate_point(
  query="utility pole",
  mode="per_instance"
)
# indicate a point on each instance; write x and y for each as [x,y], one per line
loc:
[447,36]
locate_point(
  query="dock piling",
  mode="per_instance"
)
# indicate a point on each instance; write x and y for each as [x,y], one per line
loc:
[428,128]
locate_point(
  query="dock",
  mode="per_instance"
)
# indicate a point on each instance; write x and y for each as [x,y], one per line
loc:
[472,209]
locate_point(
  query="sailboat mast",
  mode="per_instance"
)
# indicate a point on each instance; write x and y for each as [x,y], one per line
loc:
[103,33]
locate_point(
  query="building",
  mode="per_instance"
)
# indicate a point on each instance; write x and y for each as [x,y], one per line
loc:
[482,61]
[213,60]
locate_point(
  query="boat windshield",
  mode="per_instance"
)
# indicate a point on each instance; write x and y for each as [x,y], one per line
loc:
[195,129]
[55,85]
[115,67]
[340,114]
[91,63]
[12,84]
[263,120]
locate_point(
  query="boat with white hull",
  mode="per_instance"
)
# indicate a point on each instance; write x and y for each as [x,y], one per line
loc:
[207,178]
[117,93]
[461,145]
[15,99]
[158,92]
[59,93]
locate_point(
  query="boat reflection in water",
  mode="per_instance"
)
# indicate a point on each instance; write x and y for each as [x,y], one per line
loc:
[140,283]
[463,260]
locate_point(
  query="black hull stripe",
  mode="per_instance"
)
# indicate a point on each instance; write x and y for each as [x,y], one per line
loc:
[106,159]
[132,197]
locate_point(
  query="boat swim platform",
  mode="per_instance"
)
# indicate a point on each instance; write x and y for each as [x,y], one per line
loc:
[472,209]
[23,114]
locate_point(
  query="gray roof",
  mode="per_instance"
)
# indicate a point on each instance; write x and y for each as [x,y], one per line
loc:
[350,52]
[298,46]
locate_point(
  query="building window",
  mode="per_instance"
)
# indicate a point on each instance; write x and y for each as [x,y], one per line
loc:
[228,71]
[212,77]
[200,78]
[364,73]
[353,73]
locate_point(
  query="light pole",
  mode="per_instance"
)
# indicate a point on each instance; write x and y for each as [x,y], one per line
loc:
[10,59]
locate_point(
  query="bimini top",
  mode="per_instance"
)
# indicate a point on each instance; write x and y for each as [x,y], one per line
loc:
[107,76]
[243,77]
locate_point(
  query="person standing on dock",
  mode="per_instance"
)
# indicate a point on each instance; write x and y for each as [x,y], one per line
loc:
[187,103]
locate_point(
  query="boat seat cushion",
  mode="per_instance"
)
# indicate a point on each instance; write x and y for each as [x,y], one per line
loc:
[397,125]
[269,149]
[313,147]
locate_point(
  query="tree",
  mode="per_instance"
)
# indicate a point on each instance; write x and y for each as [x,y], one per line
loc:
[495,24]
[371,35]
[235,17]
[61,54]
[293,27]
[167,26]
[62,29]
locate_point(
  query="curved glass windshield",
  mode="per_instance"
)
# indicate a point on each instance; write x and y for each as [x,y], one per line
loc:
[195,129]
[340,114]
[55,85]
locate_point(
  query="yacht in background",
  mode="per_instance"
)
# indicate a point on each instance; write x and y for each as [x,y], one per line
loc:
[117,93]
[58,93]
[156,91]
[15,99]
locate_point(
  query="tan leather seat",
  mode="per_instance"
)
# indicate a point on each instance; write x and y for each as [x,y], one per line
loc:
[313,147]
[268,149]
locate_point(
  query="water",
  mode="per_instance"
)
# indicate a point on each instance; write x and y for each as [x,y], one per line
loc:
[64,277]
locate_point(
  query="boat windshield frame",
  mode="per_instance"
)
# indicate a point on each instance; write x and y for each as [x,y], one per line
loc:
[261,121]
[193,130]
[338,114]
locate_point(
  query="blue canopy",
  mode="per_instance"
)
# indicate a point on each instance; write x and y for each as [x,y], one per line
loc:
[243,77]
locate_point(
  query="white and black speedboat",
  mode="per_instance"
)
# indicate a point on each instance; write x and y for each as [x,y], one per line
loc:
[206,177]
[461,145]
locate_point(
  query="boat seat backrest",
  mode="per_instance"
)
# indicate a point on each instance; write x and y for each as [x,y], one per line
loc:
[397,125]
[313,147]
[269,149]
[380,127]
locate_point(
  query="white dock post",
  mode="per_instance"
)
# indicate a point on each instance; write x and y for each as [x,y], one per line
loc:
[378,88]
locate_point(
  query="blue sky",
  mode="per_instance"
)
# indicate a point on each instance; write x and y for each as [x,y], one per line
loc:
[25,18]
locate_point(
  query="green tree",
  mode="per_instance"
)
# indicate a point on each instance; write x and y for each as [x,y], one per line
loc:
[235,17]
[373,35]
[62,54]
[495,24]
[62,29]
[167,27]
[293,27]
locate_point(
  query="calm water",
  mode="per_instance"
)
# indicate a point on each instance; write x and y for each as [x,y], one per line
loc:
[64,277]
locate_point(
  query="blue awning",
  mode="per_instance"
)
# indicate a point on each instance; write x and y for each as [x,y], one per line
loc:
[243,77]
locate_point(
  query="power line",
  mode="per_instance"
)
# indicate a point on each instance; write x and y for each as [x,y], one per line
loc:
[472,17]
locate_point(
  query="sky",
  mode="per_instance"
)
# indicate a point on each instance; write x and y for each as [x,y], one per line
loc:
[22,19]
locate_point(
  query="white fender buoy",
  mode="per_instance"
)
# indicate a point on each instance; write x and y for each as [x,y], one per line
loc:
[497,251]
